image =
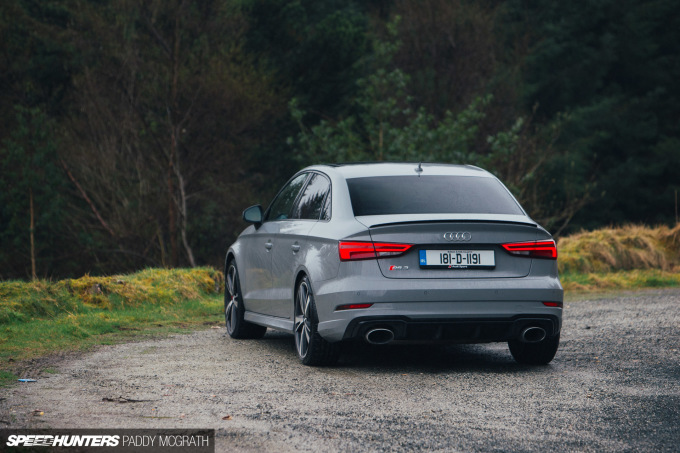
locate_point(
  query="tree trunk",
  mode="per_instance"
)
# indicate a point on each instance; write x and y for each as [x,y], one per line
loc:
[183,217]
[32,231]
[172,221]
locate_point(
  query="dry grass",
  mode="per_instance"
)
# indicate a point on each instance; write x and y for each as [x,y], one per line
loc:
[621,280]
[621,249]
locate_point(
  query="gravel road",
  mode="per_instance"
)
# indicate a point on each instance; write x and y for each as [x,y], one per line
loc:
[612,387]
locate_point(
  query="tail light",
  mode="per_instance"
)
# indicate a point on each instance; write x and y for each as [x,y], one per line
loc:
[350,251]
[533,249]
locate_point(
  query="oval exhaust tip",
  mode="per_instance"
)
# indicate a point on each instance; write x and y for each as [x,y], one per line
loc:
[532,334]
[379,336]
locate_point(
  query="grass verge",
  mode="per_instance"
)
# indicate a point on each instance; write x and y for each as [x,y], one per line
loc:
[41,318]
[620,280]
[622,258]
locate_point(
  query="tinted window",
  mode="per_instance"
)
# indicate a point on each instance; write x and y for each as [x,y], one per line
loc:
[430,195]
[312,200]
[283,203]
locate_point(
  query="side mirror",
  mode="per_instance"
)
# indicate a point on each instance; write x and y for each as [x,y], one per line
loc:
[253,214]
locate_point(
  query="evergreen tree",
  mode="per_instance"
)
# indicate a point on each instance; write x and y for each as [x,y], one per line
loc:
[610,68]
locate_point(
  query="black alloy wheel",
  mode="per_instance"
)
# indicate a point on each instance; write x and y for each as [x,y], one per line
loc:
[234,310]
[311,348]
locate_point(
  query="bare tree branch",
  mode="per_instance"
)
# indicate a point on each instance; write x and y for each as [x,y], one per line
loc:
[87,199]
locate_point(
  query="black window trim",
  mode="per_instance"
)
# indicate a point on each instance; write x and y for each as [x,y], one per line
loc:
[329,194]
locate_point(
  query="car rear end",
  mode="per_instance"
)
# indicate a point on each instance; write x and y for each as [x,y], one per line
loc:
[447,255]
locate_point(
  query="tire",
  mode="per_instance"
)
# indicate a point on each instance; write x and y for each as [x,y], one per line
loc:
[234,310]
[540,353]
[311,348]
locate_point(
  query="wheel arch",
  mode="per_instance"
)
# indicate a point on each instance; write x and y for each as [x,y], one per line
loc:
[231,256]
[299,274]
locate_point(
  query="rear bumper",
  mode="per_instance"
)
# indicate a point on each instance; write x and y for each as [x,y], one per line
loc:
[481,330]
[471,311]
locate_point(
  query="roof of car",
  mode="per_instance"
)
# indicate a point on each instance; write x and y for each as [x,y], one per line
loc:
[365,169]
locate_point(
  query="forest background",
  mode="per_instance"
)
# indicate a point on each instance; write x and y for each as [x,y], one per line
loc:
[133,134]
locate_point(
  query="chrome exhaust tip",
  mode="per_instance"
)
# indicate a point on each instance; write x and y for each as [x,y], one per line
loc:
[532,334]
[379,336]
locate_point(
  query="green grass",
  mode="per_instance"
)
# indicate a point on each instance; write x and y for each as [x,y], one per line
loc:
[40,318]
[7,378]
[67,332]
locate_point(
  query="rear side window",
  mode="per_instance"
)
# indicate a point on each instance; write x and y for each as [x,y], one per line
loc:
[385,195]
[311,204]
[283,203]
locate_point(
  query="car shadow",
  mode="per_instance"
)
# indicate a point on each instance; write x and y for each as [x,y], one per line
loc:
[425,358]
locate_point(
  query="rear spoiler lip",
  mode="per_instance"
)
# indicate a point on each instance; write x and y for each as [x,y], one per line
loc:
[379,221]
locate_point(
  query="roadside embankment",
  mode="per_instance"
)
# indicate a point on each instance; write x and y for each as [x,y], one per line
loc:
[41,317]
[627,257]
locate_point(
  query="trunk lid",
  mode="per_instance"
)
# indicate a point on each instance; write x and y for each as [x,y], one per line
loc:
[473,241]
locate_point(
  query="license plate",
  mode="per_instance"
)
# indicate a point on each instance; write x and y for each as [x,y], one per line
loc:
[457,259]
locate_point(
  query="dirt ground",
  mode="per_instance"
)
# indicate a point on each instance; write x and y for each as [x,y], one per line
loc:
[612,387]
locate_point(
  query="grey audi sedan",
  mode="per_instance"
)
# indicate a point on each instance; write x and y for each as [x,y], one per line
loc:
[395,253]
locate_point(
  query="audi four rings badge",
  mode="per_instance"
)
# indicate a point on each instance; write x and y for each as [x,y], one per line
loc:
[458,236]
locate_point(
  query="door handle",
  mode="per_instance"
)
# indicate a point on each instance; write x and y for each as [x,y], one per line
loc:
[295,247]
[268,245]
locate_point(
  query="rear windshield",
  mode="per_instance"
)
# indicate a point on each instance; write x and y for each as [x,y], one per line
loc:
[385,195]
